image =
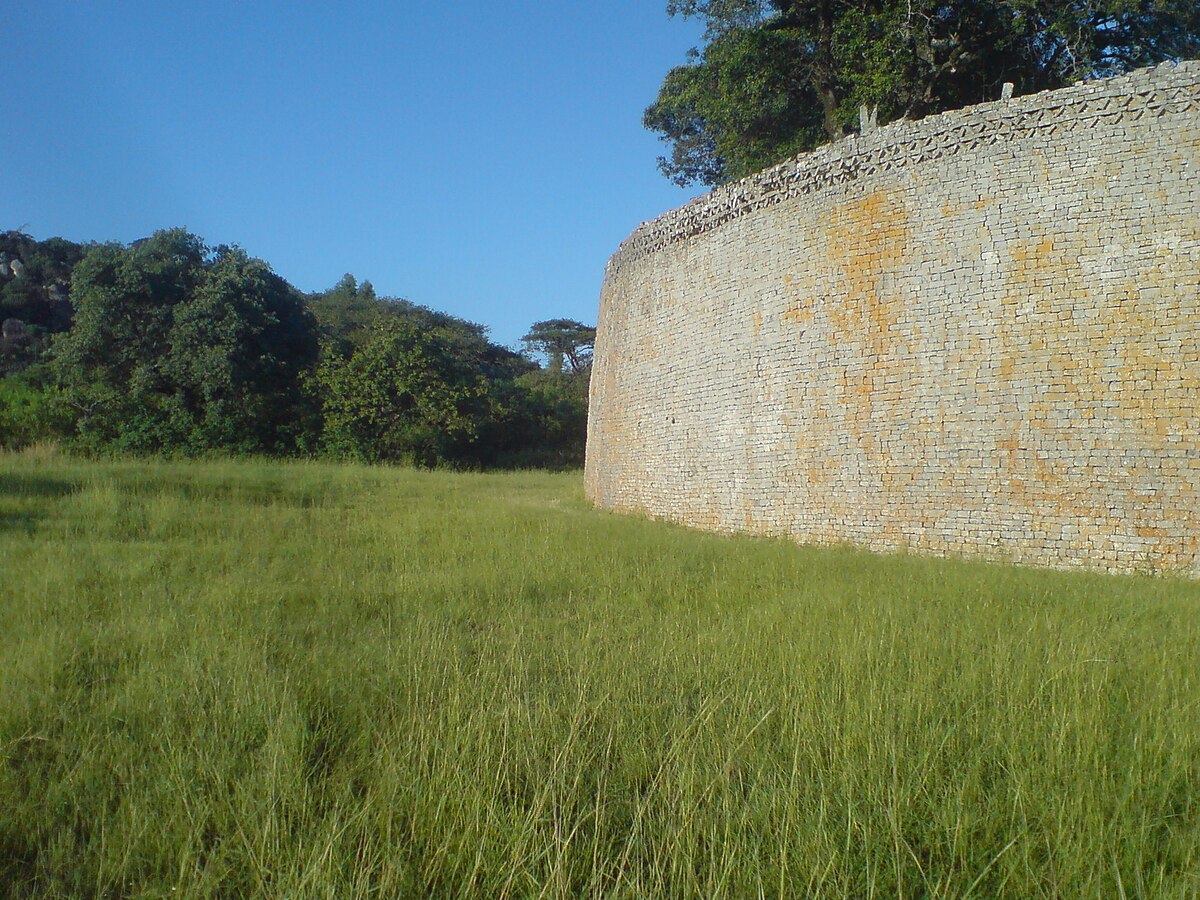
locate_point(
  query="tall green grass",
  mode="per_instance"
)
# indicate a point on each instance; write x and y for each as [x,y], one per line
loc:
[229,679]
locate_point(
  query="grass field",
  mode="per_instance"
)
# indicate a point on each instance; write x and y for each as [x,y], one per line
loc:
[292,680]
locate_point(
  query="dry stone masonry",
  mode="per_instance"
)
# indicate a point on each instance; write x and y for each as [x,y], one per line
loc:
[976,334]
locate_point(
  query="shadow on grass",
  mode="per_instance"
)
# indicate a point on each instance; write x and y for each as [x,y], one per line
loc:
[250,494]
[19,521]
[16,516]
[35,486]
[18,863]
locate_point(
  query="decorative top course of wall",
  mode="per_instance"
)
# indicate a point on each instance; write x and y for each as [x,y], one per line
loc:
[1171,87]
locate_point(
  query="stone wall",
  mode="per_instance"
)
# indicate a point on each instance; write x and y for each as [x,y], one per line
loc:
[978,333]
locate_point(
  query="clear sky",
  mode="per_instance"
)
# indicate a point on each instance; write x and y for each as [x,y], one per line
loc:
[481,158]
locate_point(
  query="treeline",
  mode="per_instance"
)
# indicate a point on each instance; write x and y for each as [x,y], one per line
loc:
[169,346]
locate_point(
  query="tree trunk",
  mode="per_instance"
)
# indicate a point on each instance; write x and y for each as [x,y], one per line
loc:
[824,69]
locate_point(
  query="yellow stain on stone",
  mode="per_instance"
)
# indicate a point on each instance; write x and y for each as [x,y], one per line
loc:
[802,313]
[867,239]
[930,373]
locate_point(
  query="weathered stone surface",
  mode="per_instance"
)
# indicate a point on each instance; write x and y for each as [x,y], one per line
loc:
[978,333]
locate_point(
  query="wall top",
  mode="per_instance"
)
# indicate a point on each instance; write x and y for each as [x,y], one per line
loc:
[1168,88]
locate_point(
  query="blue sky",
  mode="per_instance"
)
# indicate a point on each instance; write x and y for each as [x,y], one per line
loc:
[482,158]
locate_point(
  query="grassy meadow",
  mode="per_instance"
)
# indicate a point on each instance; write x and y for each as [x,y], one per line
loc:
[311,680]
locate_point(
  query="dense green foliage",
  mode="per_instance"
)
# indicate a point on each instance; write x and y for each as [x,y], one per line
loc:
[177,348]
[777,77]
[405,393]
[399,381]
[32,410]
[169,346]
[299,680]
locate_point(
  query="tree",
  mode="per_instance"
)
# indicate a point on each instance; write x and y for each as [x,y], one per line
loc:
[31,412]
[348,312]
[559,340]
[345,314]
[556,409]
[778,77]
[178,348]
[407,394]
[237,350]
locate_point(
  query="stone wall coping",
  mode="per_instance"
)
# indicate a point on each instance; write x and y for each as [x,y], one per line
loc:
[1170,87]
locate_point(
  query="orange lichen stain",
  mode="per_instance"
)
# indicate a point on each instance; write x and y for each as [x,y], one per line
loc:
[1140,361]
[863,387]
[1030,259]
[868,239]
[648,347]
[951,208]
[820,470]
[803,312]
[1095,339]
[757,322]
[1046,472]
[818,467]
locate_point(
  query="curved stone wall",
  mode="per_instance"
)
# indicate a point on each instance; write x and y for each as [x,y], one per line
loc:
[978,333]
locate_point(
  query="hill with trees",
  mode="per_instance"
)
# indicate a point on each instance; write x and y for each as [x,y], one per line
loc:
[170,346]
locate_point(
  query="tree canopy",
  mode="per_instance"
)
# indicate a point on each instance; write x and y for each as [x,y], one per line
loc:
[178,347]
[567,344]
[778,77]
[407,393]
